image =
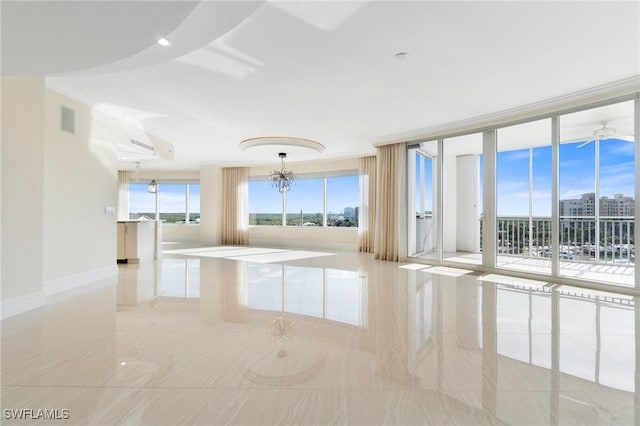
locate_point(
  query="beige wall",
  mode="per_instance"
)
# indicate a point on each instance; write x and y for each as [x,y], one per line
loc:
[172,232]
[211,203]
[330,238]
[300,168]
[22,187]
[80,180]
[56,186]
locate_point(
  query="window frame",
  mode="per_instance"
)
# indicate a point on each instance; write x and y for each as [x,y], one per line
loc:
[324,176]
[187,200]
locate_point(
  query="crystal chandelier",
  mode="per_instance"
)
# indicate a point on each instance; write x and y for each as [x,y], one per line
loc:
[281,179]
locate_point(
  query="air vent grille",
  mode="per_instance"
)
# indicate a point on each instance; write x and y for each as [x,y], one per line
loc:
[67,119]
[142,145]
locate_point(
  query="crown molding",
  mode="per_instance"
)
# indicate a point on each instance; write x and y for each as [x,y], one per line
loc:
[602,93]
[284,141]
[68,92]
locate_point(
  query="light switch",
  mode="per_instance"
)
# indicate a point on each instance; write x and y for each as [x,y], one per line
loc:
[109,210]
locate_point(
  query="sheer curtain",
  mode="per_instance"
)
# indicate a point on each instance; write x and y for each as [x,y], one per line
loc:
[367,204]
[124,177]
[235,202]
[390,240]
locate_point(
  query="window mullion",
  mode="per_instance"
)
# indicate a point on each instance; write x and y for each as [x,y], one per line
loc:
[284,208]
[186,205]
[324,202]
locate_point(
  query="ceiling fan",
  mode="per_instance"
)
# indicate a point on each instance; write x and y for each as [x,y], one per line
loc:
[604,133]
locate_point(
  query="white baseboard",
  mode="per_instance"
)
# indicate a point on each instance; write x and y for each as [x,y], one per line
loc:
[21,304]
[72,282]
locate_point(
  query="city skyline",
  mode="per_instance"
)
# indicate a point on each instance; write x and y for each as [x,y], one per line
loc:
[577,175]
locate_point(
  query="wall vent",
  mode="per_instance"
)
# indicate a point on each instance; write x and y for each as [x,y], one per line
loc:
[67,119]
[142,145]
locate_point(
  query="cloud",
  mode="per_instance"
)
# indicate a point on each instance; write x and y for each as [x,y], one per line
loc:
[626,149]
[519,155]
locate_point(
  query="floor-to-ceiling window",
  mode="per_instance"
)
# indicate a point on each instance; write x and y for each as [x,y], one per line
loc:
[596,197]
[523,197]
[422,200]
[564,193]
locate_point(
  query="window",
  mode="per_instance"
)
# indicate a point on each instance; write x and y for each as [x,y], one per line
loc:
[597,187]
[176,202]
[265,204]
[312,201]
[523,193]
[304,203]
[142,204]
[172,199]
[422,226]
[343,195]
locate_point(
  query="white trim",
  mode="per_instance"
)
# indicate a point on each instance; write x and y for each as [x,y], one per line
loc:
[604,92]
[636,132]
[71,282]
[21,304]
[70,93]
[284,141]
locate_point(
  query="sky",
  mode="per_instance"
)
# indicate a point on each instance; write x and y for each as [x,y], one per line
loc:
[306,195]
[172,198]
[577,175]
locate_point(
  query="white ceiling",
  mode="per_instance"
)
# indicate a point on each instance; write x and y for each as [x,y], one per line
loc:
[319,70]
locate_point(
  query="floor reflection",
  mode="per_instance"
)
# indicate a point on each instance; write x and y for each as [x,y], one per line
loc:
[385,343]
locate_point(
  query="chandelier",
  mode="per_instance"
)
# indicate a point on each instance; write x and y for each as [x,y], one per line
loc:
[281,179]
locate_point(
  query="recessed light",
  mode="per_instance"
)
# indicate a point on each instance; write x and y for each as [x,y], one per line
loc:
[401,56]
[163,42]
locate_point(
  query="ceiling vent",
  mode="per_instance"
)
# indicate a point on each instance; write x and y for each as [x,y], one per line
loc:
[142,145]
[67,119]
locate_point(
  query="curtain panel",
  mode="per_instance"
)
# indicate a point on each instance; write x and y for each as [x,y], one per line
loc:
[367,204]
[390,239]
[124,178]
[235,210]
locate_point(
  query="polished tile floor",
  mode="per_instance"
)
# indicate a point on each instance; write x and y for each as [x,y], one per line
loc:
[230,335]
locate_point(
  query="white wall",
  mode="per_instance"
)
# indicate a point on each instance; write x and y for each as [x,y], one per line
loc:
[80,180]
[309,236]
[22,192]
[468,229]
[56,185]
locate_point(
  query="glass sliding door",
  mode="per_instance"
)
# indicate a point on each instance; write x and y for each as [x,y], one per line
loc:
[422,200]
[523,195]
[596,200]
[462,199]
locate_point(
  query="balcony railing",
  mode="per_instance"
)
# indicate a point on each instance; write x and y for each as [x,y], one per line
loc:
[531,237]
[523,236]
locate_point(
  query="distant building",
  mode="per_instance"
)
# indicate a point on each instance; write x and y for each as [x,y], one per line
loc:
[619,205]
[349,213]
